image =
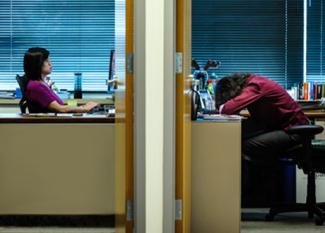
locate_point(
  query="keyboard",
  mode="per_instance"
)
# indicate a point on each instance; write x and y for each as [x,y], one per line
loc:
[103,109]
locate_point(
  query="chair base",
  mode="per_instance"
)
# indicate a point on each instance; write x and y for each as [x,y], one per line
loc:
[316,210]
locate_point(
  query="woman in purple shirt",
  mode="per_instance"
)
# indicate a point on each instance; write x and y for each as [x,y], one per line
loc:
[40,96]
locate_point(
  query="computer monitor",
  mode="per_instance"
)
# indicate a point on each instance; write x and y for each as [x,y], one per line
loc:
[111,72]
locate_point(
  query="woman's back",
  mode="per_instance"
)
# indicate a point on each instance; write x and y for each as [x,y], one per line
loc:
[39,96]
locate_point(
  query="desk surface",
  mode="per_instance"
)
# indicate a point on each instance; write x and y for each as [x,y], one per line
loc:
[315,113]
[55,118]
[15,102]
[319,114]
[96,97]
[219,118]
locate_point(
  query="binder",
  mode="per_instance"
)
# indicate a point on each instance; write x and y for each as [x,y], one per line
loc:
[311,91]
[306,89]
[319,91]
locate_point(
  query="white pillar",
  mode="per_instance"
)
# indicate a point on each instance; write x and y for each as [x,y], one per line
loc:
[154,115]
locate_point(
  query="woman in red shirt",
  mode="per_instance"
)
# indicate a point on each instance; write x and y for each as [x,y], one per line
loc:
[272,113]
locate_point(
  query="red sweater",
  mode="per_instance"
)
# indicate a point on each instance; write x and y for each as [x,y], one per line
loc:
[268,103]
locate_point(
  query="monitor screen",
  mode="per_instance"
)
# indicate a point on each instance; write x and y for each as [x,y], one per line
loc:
[111,71]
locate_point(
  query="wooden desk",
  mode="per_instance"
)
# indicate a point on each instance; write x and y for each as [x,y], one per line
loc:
[315,114]
[12,105]
[101,98]
[312,114]
[216,172]
[54,118]
[57,165]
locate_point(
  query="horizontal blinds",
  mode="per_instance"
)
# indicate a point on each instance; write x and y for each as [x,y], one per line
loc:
[246,36]
[78,33]
[295,39]
[315,41]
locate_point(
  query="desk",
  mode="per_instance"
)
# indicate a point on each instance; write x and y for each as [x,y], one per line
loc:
[57,165]
[52,118]
[312,114]
[12,105]
[216,172]
[315,114]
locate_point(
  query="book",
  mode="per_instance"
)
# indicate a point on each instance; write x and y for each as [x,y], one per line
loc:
[319,91]
[311,91]
[306,89]
[301,91]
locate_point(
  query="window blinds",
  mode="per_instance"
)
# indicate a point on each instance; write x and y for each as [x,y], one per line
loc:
[78,33]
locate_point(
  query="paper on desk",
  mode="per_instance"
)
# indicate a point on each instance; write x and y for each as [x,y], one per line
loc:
[221,117]
[39,114]
[48,115]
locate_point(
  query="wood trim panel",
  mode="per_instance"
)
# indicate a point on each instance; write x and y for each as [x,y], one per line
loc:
[124,135]
[183,121]
[129,113]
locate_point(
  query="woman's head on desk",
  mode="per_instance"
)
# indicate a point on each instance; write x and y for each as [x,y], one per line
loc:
[40,97]
[37,64]
[230,86]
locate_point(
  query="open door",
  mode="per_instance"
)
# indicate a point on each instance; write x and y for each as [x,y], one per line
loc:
[124,119]
[183,116]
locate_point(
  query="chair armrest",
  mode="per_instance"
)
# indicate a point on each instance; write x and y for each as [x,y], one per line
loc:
[306,130]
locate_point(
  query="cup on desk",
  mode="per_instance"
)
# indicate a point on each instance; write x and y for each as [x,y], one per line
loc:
[18,93]
[72,103]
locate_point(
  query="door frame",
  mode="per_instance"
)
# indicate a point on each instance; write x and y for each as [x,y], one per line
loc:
[183,114]
[124,128]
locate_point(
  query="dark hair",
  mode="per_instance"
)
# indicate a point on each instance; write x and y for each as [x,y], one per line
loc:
[33,61]
[229,87]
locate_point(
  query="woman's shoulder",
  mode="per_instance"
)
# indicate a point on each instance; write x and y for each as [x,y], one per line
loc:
[260,80]
[35,85]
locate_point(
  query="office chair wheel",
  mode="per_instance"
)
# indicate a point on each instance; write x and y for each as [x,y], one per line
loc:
[269,217]
[319,221]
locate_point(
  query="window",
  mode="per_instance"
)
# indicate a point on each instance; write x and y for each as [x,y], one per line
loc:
[78,33]
[258,36]
[315,41]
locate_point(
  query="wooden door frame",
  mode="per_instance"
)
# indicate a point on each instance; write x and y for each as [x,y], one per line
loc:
[183,113]
[124,170]
[129,130]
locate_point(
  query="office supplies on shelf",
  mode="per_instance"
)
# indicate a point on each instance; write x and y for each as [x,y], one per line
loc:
[7,95]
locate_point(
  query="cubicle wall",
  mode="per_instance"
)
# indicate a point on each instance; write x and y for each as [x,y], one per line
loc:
[216,172]
[57,168]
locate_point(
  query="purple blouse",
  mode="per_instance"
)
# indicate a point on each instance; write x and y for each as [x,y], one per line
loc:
[39,96]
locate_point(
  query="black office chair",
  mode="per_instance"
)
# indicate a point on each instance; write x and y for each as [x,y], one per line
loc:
[22,82]
[310,157]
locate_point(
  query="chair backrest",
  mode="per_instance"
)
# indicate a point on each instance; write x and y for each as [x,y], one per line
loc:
[22,82]
[307,133]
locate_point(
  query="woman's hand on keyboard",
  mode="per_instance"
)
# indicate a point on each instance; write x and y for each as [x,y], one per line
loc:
[90,105]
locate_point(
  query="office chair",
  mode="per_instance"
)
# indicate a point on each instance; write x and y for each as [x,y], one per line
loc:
[22,82]
[310,157]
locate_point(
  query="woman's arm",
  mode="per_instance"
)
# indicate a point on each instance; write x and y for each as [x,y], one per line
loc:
[56,107]
[250,94]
